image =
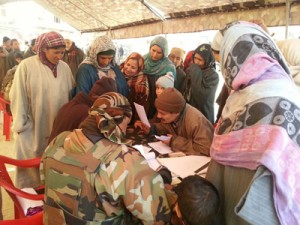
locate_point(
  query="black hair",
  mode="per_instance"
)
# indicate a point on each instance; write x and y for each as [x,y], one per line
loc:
[18,55]
[32,42]
[198,200]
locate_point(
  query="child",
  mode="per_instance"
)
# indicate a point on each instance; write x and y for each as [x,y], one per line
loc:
[198,202]
[164,82]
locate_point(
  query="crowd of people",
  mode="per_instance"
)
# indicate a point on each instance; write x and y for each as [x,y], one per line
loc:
[73,111]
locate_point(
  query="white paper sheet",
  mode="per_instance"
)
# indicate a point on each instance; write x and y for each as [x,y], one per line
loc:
[149,156]
[154,164]
[142,114]
[186,165]
[162,137]
[145,151]
[160,147]
[27,203]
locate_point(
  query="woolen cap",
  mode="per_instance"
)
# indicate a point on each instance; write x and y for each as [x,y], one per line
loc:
[102,86]
[166,81]
[170,100]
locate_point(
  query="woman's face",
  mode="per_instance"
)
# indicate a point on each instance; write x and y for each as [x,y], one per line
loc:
[54,55]
[198,59]
[159,90]
[156,53]
[131,67]
[104,60]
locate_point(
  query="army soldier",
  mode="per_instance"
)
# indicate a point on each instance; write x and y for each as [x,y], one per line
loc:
[92,177]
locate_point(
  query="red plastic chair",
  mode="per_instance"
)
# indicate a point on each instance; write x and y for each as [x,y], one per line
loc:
[36,219]
[7,184]
[7,117]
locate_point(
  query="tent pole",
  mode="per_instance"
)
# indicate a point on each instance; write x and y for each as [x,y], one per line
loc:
[288,10]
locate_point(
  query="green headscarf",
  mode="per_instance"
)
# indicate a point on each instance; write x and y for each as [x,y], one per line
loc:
[162,66]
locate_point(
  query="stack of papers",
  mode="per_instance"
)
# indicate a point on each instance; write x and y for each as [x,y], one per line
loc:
[149,156]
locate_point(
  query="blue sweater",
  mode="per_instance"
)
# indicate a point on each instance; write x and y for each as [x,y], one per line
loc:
[87,75]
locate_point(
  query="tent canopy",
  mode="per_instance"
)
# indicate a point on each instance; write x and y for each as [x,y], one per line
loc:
[140,18]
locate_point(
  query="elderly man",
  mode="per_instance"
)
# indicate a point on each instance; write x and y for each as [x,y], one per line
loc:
[176,56]
[190,132]
[93,177]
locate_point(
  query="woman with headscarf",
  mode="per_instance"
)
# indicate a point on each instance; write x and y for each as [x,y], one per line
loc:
[42,85]
[138,83]
[201,82]
[188,60]
[255,151]
[98,63]
[157,64]
[98,178]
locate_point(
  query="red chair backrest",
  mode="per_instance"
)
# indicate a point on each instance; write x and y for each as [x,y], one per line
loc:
[8,185]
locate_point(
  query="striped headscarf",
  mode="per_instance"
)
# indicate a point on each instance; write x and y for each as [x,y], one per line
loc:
[260,123]
[49,40]
[109,110]
[100,44]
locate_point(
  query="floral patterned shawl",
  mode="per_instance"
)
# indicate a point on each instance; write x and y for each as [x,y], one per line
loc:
[260,123]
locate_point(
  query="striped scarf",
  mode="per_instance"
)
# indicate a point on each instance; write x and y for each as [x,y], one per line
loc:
[48,40]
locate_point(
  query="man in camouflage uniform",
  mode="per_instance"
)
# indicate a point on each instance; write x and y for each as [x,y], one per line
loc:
[92,177]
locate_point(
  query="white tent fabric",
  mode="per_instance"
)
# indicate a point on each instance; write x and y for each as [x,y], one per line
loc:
[140,18]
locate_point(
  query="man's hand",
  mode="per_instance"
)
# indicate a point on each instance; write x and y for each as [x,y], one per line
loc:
[144,128]
[168,142]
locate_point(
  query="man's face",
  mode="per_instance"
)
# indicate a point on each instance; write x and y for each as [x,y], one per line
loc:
[175,59]
[166,117]
[7,45]
[156,53]
[54,55]
[104,60]
[198,59]
[68,43]
[15,45]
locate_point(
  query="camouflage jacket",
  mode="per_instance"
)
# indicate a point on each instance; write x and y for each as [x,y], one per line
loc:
[103,183]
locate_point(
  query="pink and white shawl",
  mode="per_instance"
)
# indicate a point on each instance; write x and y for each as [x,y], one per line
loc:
[261,119]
